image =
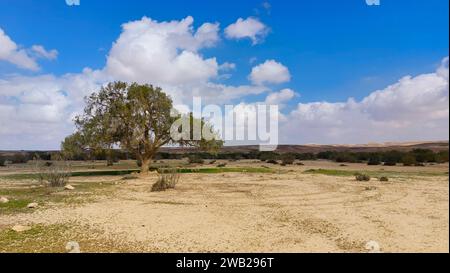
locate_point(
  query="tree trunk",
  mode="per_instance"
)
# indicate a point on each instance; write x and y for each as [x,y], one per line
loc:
[145,166]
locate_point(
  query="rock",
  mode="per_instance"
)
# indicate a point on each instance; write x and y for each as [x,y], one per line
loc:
[69,187]
[373,247]
[32,205]
[73,247]
[19,228]
[3,200]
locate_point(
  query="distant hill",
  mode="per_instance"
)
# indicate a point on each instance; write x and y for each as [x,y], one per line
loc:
[316,148]
[435,146]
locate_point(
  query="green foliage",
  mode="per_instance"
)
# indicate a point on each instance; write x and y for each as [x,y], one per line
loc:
[74,147]
[408,160]
[374,160]
[138,119]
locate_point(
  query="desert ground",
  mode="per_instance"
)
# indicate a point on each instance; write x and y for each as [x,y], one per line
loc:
[247,206]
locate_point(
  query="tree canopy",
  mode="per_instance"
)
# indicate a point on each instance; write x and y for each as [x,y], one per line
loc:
[137,118]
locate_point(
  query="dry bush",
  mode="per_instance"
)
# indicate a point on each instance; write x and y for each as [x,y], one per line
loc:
[362,177]
[167,179]
[384,179]
[56,174]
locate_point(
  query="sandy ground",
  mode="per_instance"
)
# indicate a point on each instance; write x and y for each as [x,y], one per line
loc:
[288,211]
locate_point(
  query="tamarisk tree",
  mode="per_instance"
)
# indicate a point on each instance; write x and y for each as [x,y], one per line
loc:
[136,118]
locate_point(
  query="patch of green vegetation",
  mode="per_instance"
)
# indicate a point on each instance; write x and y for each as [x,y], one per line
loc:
[377,174]
[14,205]
[226,170]
[53,239]
[31,176]
[39,238]
[19,198]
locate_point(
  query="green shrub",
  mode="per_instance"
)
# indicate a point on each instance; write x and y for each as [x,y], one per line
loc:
[409,160]
[272,161]
[374,161]
[222,165]
[384,179]
[2,162]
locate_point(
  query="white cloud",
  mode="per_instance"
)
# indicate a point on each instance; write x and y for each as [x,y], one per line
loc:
[163,52]
[227,66]
[270,72]
[247,28]
[280,97]
[10,52]
[41,52]
[414,108]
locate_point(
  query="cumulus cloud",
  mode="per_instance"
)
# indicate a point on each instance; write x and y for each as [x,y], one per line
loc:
[10,52]
[280,97]
[270,72]
[37,111]
[414,108]
[247,28]
[167,54]
[41,52]
[163,52]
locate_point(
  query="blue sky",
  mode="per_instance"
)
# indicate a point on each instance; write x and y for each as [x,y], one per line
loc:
[334,50]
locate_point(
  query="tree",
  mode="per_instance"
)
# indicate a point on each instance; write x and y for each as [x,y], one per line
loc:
[73,147]
[137,118]
[408,159]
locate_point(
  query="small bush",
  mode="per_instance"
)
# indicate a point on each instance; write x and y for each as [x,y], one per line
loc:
[384,179]
[2,162]
[300,164]
[212,162]
[167,179]
[287,159]
[194,159]
[271,161]
[362,177]
[373,162]
[222,165]
[56,174]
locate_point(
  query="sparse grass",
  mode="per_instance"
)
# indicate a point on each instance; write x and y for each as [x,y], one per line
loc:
[226,170]
[53,239]
[19,198]
[31,176]
[377,174]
